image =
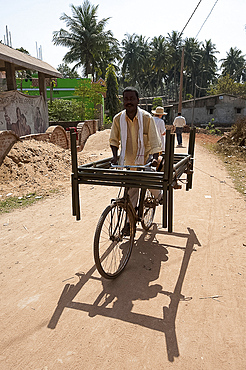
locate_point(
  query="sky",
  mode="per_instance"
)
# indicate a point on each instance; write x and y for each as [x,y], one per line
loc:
[32,23]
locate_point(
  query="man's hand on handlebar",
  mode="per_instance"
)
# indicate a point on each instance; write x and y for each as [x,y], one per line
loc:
[114,160]
[115,154]
[154,162]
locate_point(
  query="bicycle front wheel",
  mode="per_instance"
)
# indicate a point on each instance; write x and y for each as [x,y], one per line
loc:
[112,243]
[149,205]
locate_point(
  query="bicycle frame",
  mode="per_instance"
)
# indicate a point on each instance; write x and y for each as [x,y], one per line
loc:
[136,213]
[128,203]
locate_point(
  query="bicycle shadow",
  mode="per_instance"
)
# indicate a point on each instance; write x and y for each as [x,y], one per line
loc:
[143,267]
[116,301]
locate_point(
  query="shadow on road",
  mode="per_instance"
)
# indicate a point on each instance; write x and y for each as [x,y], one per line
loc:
[134,284]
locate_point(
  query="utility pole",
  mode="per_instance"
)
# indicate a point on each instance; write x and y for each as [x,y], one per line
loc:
[181,82]
[193,106]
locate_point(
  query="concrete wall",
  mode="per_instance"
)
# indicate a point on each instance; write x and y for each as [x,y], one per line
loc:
[223,109]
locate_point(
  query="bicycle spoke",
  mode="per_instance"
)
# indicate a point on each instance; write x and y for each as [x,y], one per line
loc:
[111,247]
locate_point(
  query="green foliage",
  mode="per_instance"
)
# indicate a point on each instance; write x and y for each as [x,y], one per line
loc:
[234,65]
[157,102]
[112,101]
[64,110]
[74,110]
[88,42]
[107,122]
[91,97]
[66,71]
[211,128]
[189,96]
[151,65]
[226,85]
[23,50]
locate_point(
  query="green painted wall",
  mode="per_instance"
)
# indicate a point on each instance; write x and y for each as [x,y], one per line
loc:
[64,87]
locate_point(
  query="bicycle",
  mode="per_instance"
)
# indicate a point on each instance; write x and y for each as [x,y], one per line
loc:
[112,245]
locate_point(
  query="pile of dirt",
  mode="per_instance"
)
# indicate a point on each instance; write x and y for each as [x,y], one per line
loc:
[42,167]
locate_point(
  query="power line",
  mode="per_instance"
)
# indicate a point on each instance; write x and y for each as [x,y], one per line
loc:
[207,17]
[190,17]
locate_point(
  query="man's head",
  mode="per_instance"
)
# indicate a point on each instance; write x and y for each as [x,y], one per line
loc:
[179,113]
[130,100]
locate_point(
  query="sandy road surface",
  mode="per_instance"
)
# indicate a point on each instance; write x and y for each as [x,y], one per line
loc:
[180,303]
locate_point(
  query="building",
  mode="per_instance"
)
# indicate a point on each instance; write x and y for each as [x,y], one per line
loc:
[224,109]
[21,113]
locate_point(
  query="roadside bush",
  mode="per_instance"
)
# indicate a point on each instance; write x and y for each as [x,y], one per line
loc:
[91,99]
[64,110]
[238,132]
[234,143]
[157,102]
[211,128]
[107,122]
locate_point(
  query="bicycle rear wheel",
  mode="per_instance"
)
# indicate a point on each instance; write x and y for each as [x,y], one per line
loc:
[112,248]
[149,205]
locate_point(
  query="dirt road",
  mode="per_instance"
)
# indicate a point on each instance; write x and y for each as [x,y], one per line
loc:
[180,303]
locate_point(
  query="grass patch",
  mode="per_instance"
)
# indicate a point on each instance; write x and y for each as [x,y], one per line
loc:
[12,203]
[235,164]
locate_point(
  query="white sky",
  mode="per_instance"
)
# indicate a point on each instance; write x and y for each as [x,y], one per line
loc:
[31,21]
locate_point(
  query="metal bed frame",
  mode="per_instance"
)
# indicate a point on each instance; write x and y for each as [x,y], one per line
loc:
[100,173]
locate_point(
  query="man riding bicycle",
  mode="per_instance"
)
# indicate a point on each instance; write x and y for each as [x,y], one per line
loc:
[135,130]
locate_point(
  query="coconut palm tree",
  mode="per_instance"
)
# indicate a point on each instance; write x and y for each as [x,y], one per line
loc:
[135,59]
[106,58]
[192,58]
[130,58]
[86,37]
[160,61]
[209,63]
[234,64]
[174,48]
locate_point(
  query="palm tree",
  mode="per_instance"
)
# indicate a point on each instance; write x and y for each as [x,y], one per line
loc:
[192,58]
[86,37]
[234,64]
[209,62]
[135,59]
[145,67]
[174,48]
[106,58]
[130,58]
[160,60]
